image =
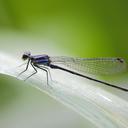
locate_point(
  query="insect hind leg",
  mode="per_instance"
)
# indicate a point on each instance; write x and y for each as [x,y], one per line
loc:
[47,72]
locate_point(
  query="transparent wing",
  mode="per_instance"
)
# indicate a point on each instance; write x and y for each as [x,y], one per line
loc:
[95,66]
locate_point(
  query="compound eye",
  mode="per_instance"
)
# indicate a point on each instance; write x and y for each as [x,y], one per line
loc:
[25,57]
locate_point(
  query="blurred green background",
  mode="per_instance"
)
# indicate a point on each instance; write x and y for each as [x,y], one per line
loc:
[84,28]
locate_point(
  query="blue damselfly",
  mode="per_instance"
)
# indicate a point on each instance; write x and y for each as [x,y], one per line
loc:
[77,66]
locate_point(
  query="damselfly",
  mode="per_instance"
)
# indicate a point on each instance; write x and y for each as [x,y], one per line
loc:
[77,66]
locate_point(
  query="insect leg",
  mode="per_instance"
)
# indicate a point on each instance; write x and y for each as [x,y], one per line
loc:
[32,73]
[46,70]
[25,68]
[49,73]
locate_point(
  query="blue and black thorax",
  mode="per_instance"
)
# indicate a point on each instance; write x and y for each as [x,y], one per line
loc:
[40,60]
